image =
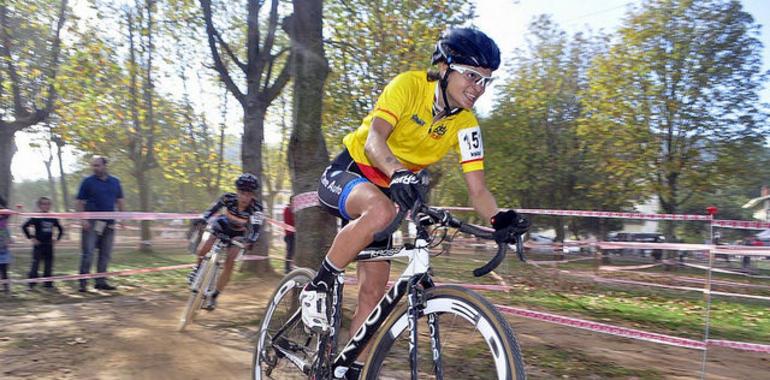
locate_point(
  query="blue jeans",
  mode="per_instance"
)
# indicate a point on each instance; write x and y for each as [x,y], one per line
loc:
[90,241]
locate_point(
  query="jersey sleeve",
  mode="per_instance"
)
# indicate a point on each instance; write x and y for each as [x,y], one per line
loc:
[256,219]
[394,99]
[470,149]
[218,204]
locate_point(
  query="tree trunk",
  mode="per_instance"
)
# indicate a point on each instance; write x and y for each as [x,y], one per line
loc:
[62,178]
[143,184]
[251,162]
[51,180]
[7,150]
[307,154]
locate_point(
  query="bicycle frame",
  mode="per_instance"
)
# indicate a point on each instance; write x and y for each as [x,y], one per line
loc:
[415,279]
[416,273]
[215,251]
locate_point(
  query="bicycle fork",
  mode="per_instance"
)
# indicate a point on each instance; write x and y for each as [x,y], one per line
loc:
[415,305]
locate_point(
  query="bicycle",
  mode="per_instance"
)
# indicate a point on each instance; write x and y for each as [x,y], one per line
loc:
[205,282]
[287,350]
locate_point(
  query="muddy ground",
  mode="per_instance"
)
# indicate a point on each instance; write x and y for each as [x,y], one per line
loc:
[130,334]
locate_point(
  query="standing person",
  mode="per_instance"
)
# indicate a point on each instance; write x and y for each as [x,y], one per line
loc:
[99,192]
[243,217]
[42,241]
[5,242]
[418,118]
[288,237]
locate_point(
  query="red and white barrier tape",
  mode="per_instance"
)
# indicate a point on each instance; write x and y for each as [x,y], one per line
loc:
[674,287]
[128,272]
[626,332]
[719,270]
[121,215]
[531,314]
[602,214]
[739,250]
[545,262]
[742,224]
[304,200]
[627,267]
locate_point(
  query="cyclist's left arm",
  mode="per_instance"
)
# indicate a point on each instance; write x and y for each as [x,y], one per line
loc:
[256,219]
[481,198]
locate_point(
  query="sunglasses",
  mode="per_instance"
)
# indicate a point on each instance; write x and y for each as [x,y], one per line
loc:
[472,75]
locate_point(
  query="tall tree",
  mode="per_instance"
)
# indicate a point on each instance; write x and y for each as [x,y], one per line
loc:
[533,148]
[142,129]
[307,150]
[30,62]
[677,88]
[262,85]
[370,42]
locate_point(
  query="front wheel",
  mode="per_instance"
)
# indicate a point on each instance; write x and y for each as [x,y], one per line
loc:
[474,340]
[284,349]
[200,285]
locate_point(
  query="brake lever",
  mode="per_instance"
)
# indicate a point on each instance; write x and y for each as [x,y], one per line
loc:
[520,249]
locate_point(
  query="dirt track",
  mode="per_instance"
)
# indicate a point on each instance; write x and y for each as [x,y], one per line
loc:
[131,336]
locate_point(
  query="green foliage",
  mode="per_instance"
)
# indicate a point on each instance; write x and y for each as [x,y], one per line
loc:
[29,43]
[534,153]
[369,43]
[675,99]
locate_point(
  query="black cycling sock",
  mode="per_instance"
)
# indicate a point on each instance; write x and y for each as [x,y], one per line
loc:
[325,277]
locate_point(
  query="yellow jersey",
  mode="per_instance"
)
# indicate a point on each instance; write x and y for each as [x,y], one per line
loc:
[416,141]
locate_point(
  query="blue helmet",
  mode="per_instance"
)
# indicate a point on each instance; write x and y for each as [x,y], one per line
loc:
[467,46]
[247,182]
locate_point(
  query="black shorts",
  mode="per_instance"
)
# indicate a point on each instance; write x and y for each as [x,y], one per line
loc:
[222,229]
[336,183]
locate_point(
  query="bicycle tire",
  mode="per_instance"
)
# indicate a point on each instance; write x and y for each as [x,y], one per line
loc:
[196,296]
[446,301]
[290,285]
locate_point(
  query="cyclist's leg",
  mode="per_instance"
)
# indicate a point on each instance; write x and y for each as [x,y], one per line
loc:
[204,248]
[224,277]
[372,284]
[370,211]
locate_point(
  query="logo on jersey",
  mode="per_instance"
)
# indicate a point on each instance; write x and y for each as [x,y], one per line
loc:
[437,132]
[417,120]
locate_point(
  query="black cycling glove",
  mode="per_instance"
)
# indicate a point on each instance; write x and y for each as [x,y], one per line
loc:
[508,224]
[405,189]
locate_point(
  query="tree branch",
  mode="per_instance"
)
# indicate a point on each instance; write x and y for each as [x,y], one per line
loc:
[54,68]
[224,75]
[283,78]
[253,66]
[265,56]
[229,52]
[20,111]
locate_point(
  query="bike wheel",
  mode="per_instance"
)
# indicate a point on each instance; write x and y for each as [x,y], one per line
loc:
[476,342]
[205,278]
[281,314]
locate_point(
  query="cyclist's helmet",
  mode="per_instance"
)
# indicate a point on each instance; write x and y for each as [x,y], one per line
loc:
[247,182]
[467,46]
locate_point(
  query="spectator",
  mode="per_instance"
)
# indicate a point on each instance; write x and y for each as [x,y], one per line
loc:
[288,237]
[99,192]
[42,241]
[5,241]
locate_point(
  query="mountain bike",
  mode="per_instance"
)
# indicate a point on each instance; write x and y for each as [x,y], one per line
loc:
[205,283]
[466,337]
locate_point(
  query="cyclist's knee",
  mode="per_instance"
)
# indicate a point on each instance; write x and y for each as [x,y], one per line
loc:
[371,291]
[380,211]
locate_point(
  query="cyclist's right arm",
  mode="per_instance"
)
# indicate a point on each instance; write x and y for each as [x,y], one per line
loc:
[377,149]
[218,204]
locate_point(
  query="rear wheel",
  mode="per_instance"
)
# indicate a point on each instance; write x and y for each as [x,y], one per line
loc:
[205,278]
[282,344]
[476,342]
